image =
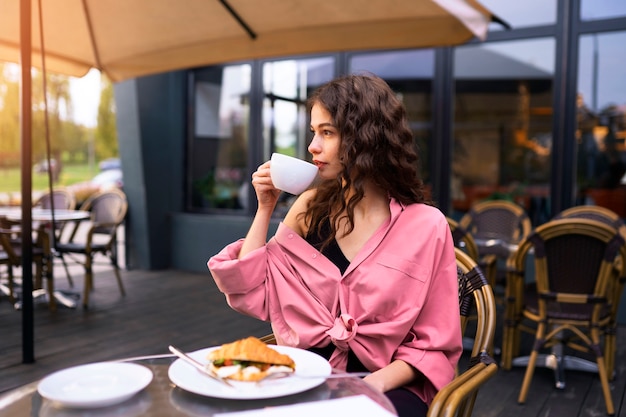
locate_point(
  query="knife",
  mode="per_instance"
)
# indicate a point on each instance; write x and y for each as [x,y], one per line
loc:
[202,368]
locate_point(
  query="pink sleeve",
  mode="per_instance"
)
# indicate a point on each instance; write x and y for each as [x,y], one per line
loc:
[242,280]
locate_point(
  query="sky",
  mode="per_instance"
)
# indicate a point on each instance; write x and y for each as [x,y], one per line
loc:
[85,94]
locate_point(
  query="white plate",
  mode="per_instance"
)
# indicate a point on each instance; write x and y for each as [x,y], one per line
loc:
[96,384]
[307,363]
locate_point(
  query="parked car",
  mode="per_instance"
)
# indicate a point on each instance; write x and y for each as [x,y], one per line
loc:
[110,163]
[110,178]
[42,166]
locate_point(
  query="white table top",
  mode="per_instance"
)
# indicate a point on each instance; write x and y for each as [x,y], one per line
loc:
[6,210]
[45,215]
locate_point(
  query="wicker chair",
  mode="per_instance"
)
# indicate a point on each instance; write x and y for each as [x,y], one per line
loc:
[11,256]
[475,295]
[574,272]
[108,211]
[465,241]
[596,213]
[62,199]
[497,227]
[612,219]
[7,260]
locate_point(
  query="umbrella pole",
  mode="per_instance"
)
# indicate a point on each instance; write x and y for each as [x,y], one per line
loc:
[47,133]
[28,355]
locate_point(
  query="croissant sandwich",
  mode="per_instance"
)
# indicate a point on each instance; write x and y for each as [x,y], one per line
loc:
[248,360]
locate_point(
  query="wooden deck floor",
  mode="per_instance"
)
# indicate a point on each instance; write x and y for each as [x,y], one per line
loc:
[186,309]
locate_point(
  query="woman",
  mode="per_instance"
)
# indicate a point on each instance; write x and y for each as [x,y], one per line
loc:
[362,269]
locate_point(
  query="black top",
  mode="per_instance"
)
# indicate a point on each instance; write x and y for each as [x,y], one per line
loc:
[335,255]
[332,251]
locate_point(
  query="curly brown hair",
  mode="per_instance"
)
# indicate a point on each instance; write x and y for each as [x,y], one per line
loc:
[376,146]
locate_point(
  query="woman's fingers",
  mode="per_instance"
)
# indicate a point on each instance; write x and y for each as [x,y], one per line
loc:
[263,185]
[261,177]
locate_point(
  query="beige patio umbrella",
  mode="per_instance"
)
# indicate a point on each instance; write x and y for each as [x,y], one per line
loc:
[130,38]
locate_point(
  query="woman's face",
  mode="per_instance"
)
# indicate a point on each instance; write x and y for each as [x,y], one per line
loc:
[325,143]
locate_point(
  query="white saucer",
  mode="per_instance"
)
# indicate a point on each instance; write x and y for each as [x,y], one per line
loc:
[96,384]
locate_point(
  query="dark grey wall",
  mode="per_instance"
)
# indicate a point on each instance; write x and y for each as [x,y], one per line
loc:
[151,125]
[197,237]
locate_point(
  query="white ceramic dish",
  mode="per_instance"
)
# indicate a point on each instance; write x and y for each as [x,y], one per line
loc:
[95,384]
[291,174]
[192,380]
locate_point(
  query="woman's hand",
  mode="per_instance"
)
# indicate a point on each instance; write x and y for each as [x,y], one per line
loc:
[266,194]
[398,373]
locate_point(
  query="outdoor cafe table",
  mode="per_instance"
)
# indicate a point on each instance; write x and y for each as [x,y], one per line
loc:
[44,217]
[163,398]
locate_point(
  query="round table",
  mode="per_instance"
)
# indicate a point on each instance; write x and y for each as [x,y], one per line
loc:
[46,215]
[162,398]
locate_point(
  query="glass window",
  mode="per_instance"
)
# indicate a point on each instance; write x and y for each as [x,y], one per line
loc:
[503,124]
[602,9]
[410,74]
[286,86]
[520,14]
[218,154]
[601,121]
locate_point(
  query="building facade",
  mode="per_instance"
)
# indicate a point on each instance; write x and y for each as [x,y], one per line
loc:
[535,114]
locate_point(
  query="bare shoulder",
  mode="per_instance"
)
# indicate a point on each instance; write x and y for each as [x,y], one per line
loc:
[295,216]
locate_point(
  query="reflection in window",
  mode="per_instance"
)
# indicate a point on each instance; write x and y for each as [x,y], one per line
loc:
[503,124]
[520,14]
[410,74]
[601,130]
[602,9]
[286,86]
[219,148]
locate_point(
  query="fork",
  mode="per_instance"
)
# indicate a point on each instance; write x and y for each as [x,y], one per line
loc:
[202,368]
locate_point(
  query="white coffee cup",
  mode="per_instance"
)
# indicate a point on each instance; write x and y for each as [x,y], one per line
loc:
[291,174]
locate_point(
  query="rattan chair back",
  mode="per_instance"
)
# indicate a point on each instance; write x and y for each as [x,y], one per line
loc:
[497,219]
[107,213]
[475,298]
[574,262]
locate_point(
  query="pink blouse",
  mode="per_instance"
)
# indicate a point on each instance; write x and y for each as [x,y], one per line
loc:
[398,299]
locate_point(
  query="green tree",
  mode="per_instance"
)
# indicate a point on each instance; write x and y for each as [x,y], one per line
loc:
[9,117]
[106,131]
[69,142]
[58,103]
